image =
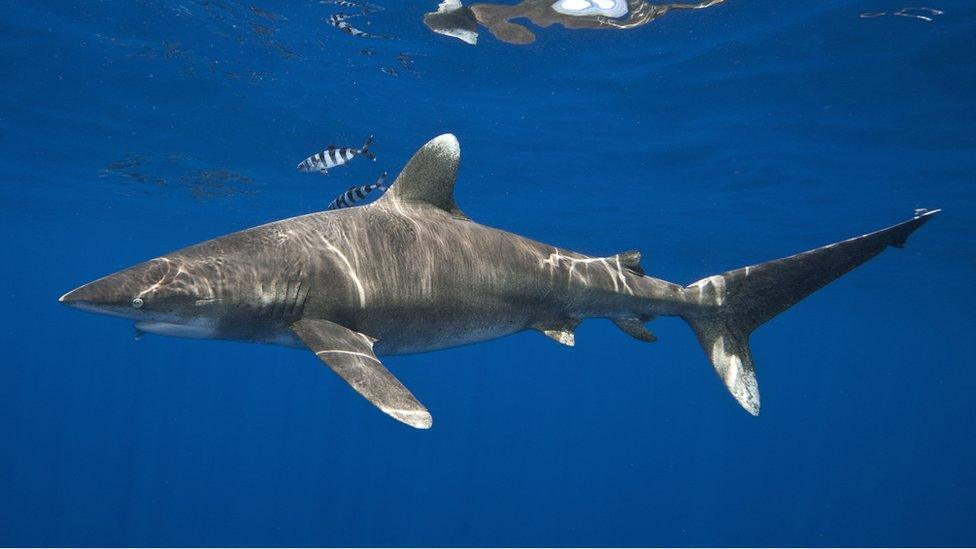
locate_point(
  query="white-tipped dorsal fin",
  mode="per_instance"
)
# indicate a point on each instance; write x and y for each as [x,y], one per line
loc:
[429,176]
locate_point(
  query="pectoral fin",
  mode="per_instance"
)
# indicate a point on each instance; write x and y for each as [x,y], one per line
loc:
[350,354]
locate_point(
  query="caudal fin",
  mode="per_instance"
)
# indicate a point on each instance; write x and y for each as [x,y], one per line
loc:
[735,303]
[365,150]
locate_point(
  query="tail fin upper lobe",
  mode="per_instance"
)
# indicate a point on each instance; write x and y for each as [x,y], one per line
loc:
[365,150]
[735,303]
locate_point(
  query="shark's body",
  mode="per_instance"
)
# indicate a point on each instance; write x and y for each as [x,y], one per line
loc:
[415,281]
[411,273]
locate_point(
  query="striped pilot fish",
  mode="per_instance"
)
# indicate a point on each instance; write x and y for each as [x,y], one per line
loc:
[356,194]
[332,157]
[365,6]
[338,20]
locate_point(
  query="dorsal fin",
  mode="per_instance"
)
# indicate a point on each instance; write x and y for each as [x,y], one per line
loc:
[429,176]
[630,260]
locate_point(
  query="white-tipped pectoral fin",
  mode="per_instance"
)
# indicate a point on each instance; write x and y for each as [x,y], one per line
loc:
[350,355]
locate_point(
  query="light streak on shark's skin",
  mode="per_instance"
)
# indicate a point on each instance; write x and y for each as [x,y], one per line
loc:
[411,273]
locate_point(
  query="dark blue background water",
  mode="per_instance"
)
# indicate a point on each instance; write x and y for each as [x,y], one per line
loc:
[709,139]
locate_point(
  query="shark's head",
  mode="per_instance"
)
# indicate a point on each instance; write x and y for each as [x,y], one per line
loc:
[160,290]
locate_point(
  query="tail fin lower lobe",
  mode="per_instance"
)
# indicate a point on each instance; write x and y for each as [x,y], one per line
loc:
[365,150]
[735,303]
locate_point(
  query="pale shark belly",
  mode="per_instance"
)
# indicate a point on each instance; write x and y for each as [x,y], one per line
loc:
[396,336]
[398,328]
[397,340]
[438,325]
[422,337]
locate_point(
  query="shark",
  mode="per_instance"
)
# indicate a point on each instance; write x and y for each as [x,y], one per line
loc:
[411,273]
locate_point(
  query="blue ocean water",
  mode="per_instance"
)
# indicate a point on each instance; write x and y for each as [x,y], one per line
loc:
[709,139]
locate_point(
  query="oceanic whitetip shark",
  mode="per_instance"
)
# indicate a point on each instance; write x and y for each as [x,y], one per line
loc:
[411,273]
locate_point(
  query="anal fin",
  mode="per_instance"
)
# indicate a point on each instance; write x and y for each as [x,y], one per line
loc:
[635,329]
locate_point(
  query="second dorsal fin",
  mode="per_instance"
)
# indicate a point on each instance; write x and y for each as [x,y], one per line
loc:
[428,178]
[630,260]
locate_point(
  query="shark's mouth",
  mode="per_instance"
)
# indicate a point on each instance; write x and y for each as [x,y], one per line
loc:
[194,330]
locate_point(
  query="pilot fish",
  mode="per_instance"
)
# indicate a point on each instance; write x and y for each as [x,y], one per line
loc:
[356,194]
[338,21]
[366,7]
[332,157]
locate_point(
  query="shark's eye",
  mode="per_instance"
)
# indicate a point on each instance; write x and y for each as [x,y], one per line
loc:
[137,302]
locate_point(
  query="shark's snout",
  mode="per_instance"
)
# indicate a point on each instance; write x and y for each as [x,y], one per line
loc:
[118,294]
[100,296]
[83,305]
[72,298]
[80,295]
